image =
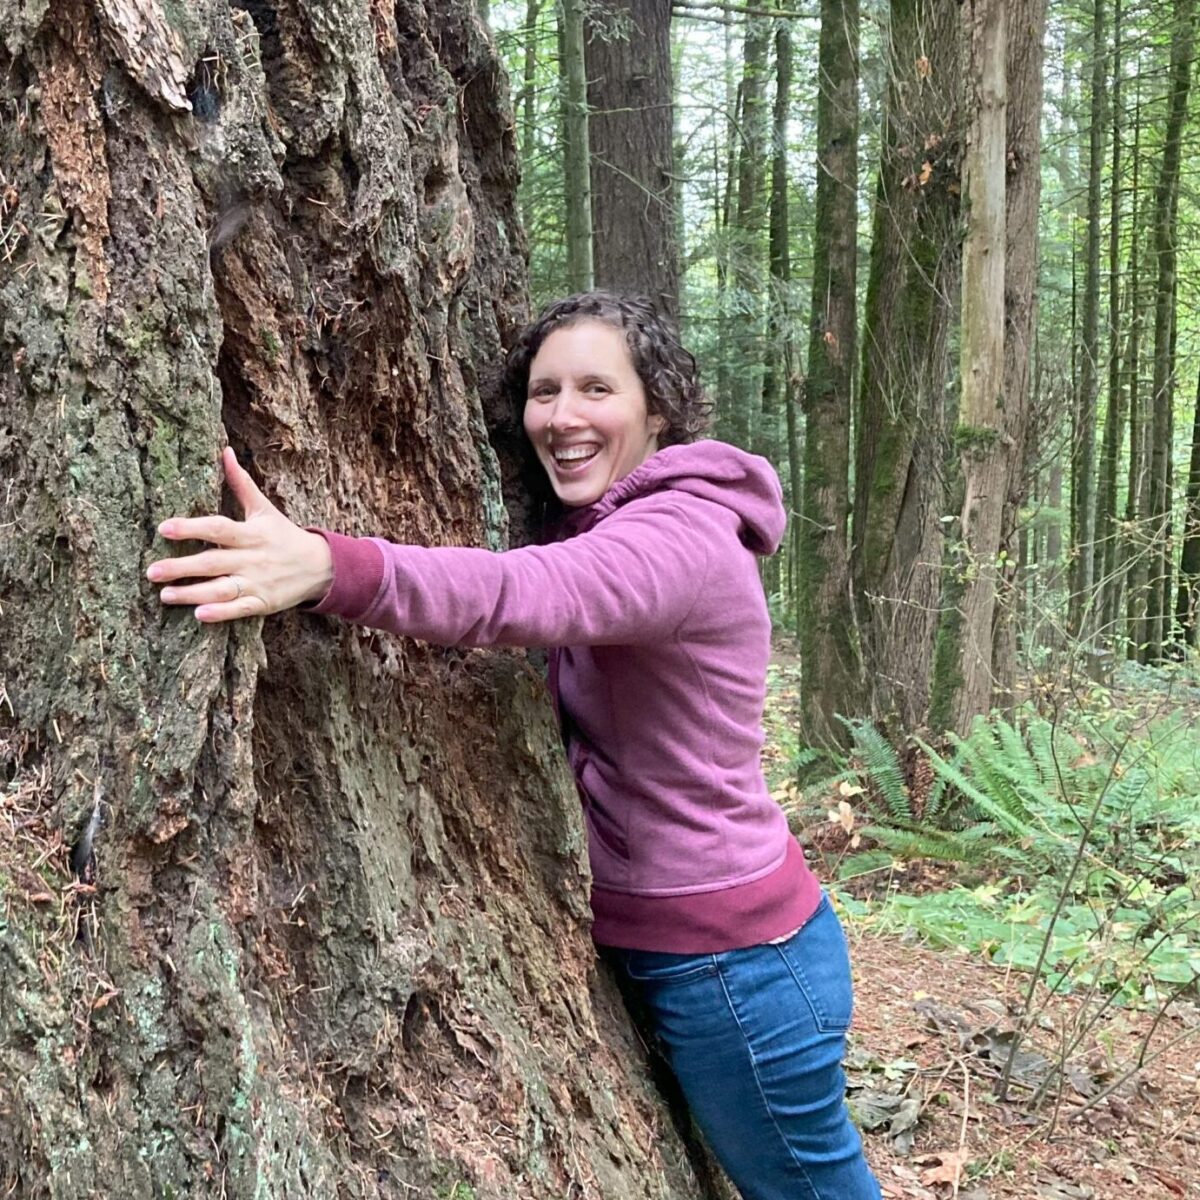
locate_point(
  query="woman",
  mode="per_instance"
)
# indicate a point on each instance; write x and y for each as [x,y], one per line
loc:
[650,601]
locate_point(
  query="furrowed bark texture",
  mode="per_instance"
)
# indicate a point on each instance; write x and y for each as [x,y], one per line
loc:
[900,477]
[630,130]
[329,935]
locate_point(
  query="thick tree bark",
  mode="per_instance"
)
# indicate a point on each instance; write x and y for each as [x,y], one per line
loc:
[831,667]
[900,489]
[292,909]
[576,149]
[630,133]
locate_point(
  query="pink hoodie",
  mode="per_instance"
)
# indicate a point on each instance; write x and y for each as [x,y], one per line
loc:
[660,637]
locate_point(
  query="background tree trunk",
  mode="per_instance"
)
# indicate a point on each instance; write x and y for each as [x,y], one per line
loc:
[831,670]
[1083,457]
[738,409]
[900,482]
[630,134]
[328,936]
[986,418]
[1022,201]
[576,149]
[1166,217]
[1187,602]
[780,353]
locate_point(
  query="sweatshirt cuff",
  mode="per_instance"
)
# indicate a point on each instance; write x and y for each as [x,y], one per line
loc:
[357,575]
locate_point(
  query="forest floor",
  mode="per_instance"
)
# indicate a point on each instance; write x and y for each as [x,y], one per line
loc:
[933,1030]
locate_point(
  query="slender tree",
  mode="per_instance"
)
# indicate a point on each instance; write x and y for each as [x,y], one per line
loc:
[1162,397]
[1187,602]
[774,442]
[1083,457]
[1104,559]
[1022,203]
[831,672]
[576,152]
[747,276]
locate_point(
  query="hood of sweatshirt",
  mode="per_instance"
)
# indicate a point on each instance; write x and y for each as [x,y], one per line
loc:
[745,483]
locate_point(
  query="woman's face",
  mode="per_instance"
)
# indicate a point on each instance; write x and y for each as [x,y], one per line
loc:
[586,411]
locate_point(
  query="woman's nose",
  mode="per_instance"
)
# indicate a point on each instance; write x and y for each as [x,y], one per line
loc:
[565,413]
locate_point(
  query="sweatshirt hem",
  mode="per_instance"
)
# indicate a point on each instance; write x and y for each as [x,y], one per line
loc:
[710,922]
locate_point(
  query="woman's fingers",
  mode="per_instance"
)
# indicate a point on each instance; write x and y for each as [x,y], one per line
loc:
[212,591]
[202,566]
[219,530]
[233,610]
[243,487]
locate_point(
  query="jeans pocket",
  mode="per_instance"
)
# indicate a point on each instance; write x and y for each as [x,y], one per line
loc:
[659,967]
[819,961]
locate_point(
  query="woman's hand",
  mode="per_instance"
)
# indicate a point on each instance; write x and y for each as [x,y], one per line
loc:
[259,565]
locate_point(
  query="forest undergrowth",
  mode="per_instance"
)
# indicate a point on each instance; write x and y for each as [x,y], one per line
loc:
[1025,914]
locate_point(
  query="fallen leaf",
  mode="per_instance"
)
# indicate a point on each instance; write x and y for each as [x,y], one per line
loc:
[948,1166]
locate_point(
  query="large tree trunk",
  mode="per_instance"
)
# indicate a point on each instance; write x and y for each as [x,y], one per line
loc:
[830,682]
[291,909]
[900,489]
[631,135]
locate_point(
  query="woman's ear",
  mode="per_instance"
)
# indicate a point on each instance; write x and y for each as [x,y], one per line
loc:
[657,424]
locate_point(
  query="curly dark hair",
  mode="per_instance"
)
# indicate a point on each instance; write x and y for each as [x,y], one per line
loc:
[668,372]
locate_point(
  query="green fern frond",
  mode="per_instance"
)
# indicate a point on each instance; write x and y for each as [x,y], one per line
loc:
[1011,822]
[933,844]
[882,767]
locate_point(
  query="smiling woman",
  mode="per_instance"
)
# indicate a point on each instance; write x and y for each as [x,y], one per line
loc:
[701,897]
[586,414]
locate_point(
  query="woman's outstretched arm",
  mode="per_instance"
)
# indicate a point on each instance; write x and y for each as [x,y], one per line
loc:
[631,579]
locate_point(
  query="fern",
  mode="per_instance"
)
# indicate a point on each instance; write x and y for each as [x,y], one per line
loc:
[1011,821]
[882,767]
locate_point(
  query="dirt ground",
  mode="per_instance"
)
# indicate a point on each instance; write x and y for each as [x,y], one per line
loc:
[934,1027]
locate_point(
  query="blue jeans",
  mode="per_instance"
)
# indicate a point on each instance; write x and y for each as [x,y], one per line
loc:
[755,1038]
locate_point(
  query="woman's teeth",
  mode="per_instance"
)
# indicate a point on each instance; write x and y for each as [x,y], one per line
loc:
[576,454]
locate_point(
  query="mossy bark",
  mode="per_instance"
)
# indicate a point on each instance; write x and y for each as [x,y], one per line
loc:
[288,908]
[900,442]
